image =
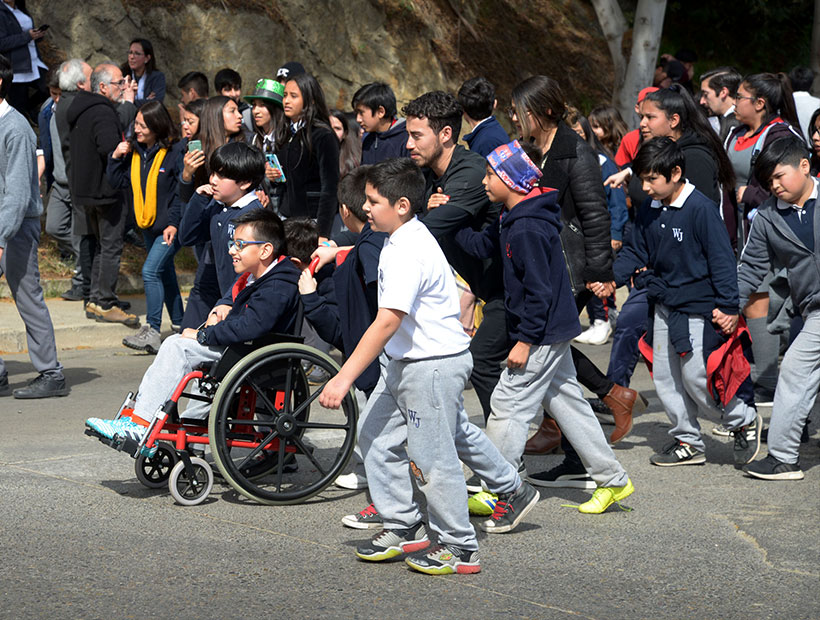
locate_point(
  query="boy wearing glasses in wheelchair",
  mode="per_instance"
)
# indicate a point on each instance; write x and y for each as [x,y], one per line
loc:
[264,299]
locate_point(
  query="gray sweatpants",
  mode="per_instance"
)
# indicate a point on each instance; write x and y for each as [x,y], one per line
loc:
[176,358]
[21,268]
[681,384]
[796,391]
[549,380]
[415,425]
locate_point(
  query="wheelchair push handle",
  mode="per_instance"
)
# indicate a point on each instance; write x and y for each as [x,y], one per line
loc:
[313,265]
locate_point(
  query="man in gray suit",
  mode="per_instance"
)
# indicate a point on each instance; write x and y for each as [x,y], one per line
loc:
[20,211]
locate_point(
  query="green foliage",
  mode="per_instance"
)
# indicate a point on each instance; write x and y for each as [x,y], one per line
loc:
[752,35]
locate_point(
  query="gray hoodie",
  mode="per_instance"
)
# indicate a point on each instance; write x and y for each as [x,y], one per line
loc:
[19,185]
[773,244]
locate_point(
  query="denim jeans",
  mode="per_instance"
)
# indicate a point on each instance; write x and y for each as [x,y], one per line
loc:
[160,279]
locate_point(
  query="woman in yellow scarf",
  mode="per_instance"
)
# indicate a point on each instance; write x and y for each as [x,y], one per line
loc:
[147,167]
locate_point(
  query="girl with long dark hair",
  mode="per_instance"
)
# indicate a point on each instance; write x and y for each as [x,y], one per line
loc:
[220,123]
[147,166]
[270,132]
[765,108]
[598,310]
[142,67]
[350,154]
[191,112]
[609,128]
[310,157]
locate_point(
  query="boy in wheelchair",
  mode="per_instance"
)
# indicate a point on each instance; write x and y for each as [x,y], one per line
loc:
[264,299]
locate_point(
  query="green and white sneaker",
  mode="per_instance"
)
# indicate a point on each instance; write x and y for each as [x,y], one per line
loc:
[390,543]
[482,503]
[445,560]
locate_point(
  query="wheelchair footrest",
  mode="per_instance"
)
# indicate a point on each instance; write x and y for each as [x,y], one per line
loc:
[118,442]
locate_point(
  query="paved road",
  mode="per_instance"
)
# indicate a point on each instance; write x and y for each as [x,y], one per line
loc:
[81,538]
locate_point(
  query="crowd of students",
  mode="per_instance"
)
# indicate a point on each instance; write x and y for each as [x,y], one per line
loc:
[705,213]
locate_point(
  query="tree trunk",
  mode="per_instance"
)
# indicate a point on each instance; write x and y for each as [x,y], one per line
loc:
[815,48]
[646,38]
[613,24]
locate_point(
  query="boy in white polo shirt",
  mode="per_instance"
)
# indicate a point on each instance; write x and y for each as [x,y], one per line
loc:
[419,395]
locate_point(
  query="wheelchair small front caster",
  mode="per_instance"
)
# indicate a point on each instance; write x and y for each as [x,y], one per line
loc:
[191,490]
[154,471]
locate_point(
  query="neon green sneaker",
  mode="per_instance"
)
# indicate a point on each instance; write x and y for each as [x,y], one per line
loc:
[482,503]
[604,497]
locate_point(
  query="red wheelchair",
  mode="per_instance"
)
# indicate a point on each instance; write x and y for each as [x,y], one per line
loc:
[268,437]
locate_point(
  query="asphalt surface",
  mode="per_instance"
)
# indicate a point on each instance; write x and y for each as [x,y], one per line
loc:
[81,538]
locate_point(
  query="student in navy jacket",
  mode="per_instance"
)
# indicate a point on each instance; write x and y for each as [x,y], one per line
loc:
[477,98]
[542,319]
[236,170]
[148,167]
[344,313]
[681,253]
[385,134]
[265,300]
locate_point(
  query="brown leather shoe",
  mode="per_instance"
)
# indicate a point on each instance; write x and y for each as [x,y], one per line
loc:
[546,439]
[116,315]
[622,401]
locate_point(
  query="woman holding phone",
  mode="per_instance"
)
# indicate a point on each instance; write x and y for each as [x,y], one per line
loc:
[310,157]
[270,132]
[220,123]
[18,43]
[147,166]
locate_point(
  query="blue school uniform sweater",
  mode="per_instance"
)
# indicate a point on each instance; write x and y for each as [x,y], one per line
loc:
[206,219]
[267,305]
[343,315]
[486,137]
[538,297]
[690,265]
[376,147]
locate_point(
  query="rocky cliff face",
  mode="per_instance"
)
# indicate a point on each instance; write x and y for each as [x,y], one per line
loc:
[413,45]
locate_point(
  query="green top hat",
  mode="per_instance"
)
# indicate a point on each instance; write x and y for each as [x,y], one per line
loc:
[267,89]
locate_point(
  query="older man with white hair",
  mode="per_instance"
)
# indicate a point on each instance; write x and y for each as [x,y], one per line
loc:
[95,132]
[73,75]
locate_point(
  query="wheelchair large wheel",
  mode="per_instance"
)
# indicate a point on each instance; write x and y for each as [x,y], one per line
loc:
[265,414]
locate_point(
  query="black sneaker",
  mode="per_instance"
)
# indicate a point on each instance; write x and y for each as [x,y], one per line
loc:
[764,396]
[390,543]
[601,410]
[474,484]
[43,386]
[678,453]
[75,293]
[5,390]
[772,469]
[445,560]
[510,509]
[747,441]
[570,474]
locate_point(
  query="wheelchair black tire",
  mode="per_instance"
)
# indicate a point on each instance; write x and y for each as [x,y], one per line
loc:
[153,472]
[317,464]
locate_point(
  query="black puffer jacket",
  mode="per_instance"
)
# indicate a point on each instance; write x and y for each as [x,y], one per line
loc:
[572,168]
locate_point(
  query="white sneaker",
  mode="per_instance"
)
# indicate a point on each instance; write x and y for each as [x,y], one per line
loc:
[583,337]
[352,481]
[599,332]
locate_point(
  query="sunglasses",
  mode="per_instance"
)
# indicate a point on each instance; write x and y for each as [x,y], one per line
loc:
[240,245]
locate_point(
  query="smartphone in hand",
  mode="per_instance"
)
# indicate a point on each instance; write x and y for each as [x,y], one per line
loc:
[194,145]
[273,161]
